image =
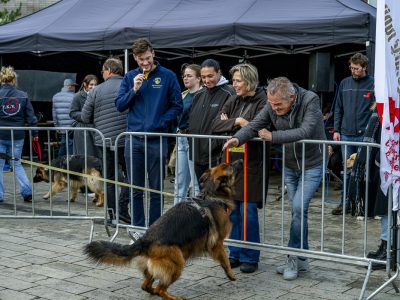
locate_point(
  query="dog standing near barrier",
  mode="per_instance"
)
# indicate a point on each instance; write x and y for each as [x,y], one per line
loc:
[189,229]
[76,163]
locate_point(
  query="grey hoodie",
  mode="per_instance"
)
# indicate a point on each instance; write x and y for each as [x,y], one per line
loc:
[303,122]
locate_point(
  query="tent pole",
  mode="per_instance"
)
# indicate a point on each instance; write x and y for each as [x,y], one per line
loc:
[126,60]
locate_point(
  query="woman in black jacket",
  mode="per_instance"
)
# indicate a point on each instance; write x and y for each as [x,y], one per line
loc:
[235,114]
[89,82]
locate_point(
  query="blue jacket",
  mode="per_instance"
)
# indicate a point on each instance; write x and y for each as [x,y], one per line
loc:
[156,104]
[353,105]
[15,111]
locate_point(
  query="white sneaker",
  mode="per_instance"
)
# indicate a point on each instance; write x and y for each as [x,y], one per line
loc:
[291,269]
[302,266]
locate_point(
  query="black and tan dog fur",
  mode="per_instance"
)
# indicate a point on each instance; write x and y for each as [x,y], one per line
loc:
[76,163]
[189,229]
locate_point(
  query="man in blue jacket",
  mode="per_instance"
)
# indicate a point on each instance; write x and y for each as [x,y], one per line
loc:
[152,96]
[353,110]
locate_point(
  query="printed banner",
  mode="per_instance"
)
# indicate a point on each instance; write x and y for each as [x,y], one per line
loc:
[387,91]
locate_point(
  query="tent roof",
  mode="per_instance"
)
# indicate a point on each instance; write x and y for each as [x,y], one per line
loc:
[87,25]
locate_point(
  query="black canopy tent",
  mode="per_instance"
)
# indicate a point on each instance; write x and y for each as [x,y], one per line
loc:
[285,26]
[77,35]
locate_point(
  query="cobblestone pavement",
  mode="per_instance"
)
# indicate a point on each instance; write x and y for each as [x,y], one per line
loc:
[42,259]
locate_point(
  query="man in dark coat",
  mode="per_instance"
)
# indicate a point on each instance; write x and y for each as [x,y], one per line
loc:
[99,108]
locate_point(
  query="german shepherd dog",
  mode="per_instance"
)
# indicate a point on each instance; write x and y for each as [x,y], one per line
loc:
[76,163]
[189,229]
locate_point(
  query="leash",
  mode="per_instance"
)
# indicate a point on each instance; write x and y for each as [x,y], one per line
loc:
[94,177]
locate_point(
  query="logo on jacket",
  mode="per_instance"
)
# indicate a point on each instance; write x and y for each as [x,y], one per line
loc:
[367,95]
[157,83]
[10,106]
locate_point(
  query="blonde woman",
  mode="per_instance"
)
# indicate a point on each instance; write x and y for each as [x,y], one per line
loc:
[16,111]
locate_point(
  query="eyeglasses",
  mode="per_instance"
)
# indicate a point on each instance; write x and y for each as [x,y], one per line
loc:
[354,68]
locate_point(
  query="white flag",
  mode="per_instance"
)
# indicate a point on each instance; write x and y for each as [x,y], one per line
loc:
[387,91]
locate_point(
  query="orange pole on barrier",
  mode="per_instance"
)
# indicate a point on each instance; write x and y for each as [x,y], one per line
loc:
[227,159]
[245,193]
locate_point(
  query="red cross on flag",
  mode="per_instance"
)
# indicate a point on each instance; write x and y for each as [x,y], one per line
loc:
[387,92]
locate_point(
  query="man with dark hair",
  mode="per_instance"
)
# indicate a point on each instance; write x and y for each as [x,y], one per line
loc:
[352,110]
[152,95]
[207,104]
[99,108]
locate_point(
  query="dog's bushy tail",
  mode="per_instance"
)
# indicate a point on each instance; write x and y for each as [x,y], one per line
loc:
[112,253]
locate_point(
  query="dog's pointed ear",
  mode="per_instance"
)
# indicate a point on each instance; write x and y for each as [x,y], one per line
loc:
[208,182]
[205,177]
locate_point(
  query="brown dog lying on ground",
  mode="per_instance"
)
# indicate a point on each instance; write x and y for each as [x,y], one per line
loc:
[76,163]
[189,229]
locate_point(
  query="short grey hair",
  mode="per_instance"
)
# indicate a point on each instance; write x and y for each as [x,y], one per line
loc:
[282,86]
[249,74]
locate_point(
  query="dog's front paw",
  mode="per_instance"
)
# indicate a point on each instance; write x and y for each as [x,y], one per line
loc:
[231,276]
[46,196]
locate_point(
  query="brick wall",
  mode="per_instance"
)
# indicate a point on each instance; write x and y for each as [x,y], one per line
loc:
[28,6]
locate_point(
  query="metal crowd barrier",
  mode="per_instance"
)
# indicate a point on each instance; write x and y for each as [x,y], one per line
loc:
[53,209]
[326,250]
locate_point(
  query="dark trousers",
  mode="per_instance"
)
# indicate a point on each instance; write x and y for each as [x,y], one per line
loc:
[137,170]
[112,194]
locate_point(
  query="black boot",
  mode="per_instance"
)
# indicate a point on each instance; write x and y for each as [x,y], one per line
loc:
[378,252]
[382,255]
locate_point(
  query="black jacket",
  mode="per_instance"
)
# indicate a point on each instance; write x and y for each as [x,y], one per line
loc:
[207,104]
[247,108]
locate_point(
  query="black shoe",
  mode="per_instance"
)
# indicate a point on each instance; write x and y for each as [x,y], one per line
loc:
[125,217]
[28,198]
[249,267]
[378,253]
[234,262]
[339,210]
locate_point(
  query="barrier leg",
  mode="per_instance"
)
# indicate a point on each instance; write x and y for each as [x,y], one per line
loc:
[396,242]
[366,281]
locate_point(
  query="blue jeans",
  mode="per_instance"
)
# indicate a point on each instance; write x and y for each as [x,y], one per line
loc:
[345,156]
[384,226]
[137,175]
[312,180]
[63,145]
[237,232]
[22,180]
[184,174]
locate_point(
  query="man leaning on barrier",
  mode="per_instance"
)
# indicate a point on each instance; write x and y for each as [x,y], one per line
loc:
[295,113]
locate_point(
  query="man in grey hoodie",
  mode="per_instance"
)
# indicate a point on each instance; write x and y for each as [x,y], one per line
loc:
[207,104]
[295,114]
